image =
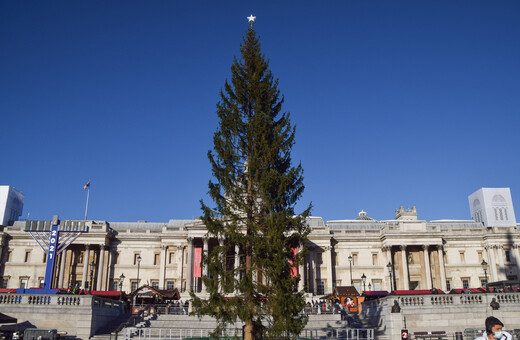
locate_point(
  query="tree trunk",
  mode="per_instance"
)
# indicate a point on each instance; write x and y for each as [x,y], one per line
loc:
[248,330]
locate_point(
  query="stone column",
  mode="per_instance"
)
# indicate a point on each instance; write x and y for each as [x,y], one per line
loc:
[101,264]
[314,271]
[204,266]
[516,255]
[301,272]
[328,261]
[222,256]
[387,254]
[440,253]
[189,272]
[236,265]
[62,268]
[492,263]
[109,270]
[86,258]
[501,267]
[162,266]
[427,267]
[180,266]
[404,271]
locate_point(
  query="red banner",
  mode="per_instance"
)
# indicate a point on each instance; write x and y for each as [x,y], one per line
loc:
[197,258]
[294,270]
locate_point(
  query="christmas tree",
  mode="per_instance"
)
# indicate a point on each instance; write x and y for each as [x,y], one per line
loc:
[252,273]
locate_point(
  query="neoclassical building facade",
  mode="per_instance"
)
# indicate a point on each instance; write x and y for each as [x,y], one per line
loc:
[404,253]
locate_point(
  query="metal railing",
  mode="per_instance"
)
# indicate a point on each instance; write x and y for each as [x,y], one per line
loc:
[174,333]
[185,333]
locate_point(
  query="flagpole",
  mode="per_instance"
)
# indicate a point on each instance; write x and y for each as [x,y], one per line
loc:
[86,206]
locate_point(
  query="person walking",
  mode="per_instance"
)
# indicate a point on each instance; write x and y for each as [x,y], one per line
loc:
[494,330]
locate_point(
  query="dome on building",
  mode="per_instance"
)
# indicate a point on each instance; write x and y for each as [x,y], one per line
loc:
[363,217]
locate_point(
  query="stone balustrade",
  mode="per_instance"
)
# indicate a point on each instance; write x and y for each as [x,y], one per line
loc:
[85,313]
[457,299]
[436,312]
[61,300]
[10,299]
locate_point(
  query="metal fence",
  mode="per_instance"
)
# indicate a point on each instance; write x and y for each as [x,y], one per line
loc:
[468,334]
[185,333]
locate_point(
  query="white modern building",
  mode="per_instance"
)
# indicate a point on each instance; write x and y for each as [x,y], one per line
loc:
[403,253]
[493,207]
[11,204]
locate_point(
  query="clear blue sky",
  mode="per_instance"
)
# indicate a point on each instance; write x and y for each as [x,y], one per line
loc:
[395,102]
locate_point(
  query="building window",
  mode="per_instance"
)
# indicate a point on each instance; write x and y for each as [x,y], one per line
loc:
[357,284]
[171,258]
[41,281]
[508,255]
[8,258]
[170,285]
[320,285]
[337,283]
[376,284]
[465,283]
[483,282]
[480,258]
[27,256]
[23,282]
[135,257]
[354,259]
[374,260]
[114,284]
[448,284]
[5,281]
[155,284]
[462,257]
[133,285]
[156,259]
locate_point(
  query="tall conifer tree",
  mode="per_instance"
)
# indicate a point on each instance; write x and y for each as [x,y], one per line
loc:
[255,192]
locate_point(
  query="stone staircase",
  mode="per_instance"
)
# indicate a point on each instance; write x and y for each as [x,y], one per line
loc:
[318,326]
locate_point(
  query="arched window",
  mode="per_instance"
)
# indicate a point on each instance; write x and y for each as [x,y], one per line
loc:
[499,199]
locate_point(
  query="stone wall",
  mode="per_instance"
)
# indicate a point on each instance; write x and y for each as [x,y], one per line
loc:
[78,315]
[440,312]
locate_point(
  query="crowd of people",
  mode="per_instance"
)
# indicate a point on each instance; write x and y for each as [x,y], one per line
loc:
[324,307]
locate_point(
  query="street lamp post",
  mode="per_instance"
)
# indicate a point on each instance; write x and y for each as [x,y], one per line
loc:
[121,278]
[350,263]
[389,266]
[138,265]
[364,280]
[484,266]
[91,276]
